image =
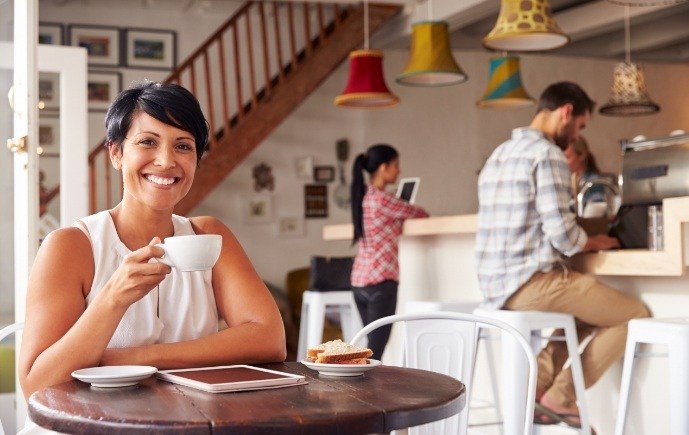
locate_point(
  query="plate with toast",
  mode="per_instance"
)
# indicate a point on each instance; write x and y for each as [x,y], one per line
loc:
[337,358]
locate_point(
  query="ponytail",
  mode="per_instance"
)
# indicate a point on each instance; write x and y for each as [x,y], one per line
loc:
[358,190]
[375,156]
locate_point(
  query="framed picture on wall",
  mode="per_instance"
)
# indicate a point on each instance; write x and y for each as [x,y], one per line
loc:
[324,174]
[150,48]
[101,42]
[49,133]
[51,33]
[258,209]
[102,88]
[291,226]
[316,200]
[49,92]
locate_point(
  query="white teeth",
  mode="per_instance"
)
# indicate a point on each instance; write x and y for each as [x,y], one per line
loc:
[160,180]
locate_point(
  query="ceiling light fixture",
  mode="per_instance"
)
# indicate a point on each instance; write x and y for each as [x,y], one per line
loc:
[628,95]
[430,59]
[525,25]
[366,86]
[505,89]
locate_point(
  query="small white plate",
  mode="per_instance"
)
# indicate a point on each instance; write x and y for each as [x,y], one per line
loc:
[114,376]
[342,369]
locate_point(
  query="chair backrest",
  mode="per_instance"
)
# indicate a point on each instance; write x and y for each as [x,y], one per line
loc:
[4,332]
[445,342]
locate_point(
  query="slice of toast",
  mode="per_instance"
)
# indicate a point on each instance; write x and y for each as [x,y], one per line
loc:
[338,352]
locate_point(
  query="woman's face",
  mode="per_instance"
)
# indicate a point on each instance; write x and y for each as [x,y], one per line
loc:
[575,161]
[158,162]
[391,171]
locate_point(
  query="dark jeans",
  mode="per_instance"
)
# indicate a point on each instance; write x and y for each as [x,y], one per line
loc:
[376,301]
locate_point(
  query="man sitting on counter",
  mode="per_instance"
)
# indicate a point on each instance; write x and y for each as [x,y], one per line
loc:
[526,228]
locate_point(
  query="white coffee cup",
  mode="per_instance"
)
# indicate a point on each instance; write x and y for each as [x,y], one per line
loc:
[191,253]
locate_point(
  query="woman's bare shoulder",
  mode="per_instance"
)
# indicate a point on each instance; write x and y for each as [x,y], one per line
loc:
[208,225]
[67,243]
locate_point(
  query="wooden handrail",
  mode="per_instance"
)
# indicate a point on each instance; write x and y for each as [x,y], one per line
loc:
[233,60]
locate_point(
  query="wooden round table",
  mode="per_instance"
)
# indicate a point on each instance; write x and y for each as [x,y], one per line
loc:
[383,399]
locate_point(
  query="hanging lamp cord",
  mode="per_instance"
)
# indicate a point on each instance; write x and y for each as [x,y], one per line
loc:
[627,37]
[366,24]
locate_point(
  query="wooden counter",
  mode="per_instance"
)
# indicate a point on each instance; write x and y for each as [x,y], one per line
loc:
[629,262]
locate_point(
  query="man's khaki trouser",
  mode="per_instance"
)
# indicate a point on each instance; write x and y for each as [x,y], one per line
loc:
[597,308]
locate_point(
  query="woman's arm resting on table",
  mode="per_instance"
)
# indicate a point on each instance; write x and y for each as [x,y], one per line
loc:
[60,334]
[255,334]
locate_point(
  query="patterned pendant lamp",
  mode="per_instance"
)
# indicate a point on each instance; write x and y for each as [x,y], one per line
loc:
[366,86]
[628,95]
[505,89]
[525,25]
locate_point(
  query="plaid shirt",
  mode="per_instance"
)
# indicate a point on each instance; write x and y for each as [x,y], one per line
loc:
[383,217]
[525,224]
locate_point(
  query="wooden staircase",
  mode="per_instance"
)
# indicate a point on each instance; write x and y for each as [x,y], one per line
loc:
[249,76]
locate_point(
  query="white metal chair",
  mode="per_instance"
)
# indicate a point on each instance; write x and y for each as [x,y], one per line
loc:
[445,342]
[4,332]
[313,310]
[674,334]
[530,324]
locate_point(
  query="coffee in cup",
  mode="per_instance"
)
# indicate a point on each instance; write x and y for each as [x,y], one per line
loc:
[191,253]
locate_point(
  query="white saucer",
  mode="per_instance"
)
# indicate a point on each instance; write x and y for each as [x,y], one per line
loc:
[342,369]
[114,376]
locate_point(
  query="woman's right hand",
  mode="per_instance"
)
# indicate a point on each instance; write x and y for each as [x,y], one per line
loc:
[137,275]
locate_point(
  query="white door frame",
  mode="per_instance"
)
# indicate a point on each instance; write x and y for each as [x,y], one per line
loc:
[71,65]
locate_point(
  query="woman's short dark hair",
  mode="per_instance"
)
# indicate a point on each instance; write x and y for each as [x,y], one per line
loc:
[169,103]
[561,93]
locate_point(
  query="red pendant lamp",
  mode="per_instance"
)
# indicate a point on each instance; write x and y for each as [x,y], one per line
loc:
[366,86]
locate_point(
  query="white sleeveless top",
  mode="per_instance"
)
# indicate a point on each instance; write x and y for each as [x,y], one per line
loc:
[181,308]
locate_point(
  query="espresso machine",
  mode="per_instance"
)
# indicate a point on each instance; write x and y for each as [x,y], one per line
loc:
[652,170]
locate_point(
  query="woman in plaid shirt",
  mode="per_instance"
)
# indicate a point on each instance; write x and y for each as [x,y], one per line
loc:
[377,216]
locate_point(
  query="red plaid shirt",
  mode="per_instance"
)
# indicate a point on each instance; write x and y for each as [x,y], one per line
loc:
[384,214]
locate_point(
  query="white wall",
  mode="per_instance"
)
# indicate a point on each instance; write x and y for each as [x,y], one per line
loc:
[442,137]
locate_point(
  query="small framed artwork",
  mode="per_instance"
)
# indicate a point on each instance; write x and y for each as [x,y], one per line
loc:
[150,48]
[291,226]
[49,133]
[51,33]
[304,167]
[324,174]
[49,91]
[258,209]
[102,88]
[101,42]
[316,200]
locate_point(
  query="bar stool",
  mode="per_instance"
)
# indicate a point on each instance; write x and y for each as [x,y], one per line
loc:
[675,334]
[483,334]
[313,309]
[530,324]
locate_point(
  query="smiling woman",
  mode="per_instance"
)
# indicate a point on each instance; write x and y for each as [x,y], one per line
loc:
[95,298]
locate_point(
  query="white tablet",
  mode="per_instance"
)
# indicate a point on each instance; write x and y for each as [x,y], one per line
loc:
[407,188]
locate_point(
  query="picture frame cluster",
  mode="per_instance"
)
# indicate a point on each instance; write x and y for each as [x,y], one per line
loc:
[109,48]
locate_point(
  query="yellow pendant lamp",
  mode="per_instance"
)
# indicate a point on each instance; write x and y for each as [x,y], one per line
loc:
[366,86]
[525,25]
[431,62]
[505,89]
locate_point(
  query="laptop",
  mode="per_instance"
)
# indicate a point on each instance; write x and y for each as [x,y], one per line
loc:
[407,188]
